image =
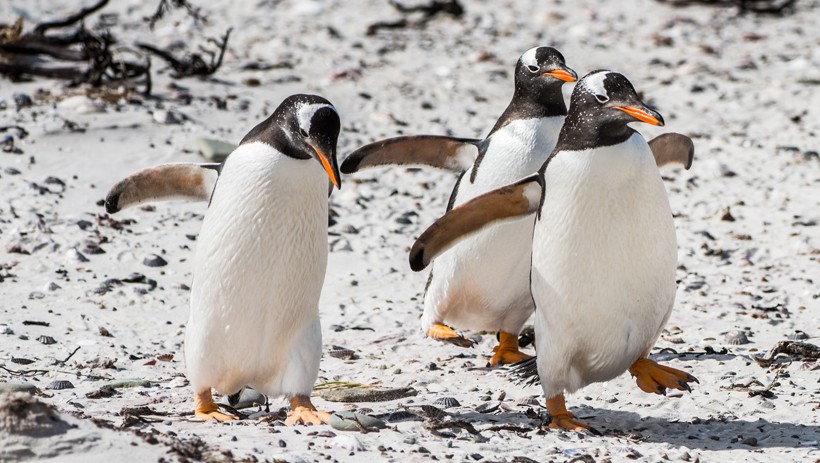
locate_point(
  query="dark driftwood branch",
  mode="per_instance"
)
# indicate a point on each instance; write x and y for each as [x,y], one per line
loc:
[83,56]
[165,5]
[452,7]
[429,11]
[22,133]
[65,73]
[90,56]
[37,47]
[754,6]
[76,17]
[192,65]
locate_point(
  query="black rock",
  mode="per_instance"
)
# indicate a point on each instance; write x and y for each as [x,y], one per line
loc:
[155,261]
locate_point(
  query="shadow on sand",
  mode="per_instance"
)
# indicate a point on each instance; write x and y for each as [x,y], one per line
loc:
[712,434]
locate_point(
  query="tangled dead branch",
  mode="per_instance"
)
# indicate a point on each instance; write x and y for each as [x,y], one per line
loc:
[65,49]
[80,56]
[193,64]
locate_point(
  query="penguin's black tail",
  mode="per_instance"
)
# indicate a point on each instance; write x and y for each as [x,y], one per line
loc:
[525,372]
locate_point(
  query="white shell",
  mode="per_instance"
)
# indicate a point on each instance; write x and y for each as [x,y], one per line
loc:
[346,442]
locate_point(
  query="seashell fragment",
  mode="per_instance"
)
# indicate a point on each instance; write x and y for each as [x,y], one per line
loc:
[46,340]
[346,442]
[246,398]
[488,407]
[528,401]
[798,336]
[344,353]
[736,338]
[350,421]
[447,402]
[59,385]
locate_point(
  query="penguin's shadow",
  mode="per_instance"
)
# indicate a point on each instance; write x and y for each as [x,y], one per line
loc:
[712,434]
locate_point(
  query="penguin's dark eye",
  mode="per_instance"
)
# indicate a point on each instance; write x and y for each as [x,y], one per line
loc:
[303,132]
[601,98]
[533,69]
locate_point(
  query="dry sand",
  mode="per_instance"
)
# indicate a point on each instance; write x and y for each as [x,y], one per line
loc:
[744,86]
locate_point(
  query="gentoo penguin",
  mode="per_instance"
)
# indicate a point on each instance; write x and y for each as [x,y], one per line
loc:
[604,247]
[483,284]
[260,260]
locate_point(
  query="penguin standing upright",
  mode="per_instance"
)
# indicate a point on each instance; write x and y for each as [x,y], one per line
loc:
[482,284]
[260,259]
[604,246]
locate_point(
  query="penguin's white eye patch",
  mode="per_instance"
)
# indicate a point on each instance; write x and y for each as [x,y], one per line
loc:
[601,98]
[304,116]
[533,69]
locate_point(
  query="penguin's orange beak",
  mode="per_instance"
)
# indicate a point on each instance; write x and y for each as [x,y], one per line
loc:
[330,166]
[643,114]
[567,75]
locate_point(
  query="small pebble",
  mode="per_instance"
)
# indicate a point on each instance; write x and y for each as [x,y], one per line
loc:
[750,441]
[17,386]
[73,255]
[154,261]
[22,100]
[167,116]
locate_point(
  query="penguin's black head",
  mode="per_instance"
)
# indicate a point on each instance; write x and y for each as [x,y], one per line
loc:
[303,127]
[608,99]
[542,67]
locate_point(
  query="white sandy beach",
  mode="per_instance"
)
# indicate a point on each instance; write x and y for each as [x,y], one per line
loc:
[745,87]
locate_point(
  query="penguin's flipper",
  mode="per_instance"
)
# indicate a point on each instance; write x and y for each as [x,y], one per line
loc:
[162,183]
[449,153]
[673,148]
[512,201]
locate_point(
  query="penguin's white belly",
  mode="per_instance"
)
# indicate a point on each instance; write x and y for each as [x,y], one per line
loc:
[482,283]
[260,265]
[604,259]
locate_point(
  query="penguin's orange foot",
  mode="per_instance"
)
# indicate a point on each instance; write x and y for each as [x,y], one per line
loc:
[506,352]
[507,357]
[206,409]
[563,419]
[213,415]
[655,378]
[302,415]
[446,334]
[568,422]
[302,411]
